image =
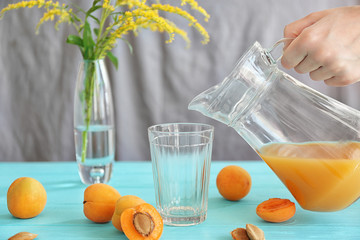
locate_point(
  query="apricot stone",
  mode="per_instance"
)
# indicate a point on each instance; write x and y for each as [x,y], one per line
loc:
[99,202]
[123,203]
[233,182]
[142,223]
[26,198]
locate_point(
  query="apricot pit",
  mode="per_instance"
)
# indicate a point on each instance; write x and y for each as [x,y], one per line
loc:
[239,234]
[142,222]
[123,203]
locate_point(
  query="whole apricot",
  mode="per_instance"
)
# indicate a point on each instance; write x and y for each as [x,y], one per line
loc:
[26,198]
[233,182]
[123,203]
[276,210]
[99,202]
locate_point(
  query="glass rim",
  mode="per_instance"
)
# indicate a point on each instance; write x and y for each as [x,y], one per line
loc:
[208,128]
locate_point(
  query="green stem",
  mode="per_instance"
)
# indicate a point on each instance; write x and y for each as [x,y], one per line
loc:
[104,15]
[89,88]
[89,91]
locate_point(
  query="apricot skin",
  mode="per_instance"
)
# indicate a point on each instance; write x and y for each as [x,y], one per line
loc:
[123,203]
[233,182]
[127,221]
[99,202]
[276,210]
[26,198]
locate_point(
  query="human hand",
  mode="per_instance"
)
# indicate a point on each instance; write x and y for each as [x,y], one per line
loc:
[326,45]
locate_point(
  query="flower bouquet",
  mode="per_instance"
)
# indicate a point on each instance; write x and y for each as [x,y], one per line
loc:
[103,23]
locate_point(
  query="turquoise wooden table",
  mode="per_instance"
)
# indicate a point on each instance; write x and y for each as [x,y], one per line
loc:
[63,216]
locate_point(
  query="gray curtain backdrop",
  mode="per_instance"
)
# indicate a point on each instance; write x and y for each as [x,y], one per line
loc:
[153,85]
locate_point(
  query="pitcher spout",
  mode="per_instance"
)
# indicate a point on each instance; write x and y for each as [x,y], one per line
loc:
[207,103]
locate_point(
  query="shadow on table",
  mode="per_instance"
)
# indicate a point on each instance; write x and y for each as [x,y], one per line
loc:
[58,184]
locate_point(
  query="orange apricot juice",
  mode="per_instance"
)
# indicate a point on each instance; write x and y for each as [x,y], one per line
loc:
[322,176]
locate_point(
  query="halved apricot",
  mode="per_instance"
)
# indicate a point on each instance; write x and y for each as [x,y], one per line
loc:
[123,203]
[142,222]
[276,210]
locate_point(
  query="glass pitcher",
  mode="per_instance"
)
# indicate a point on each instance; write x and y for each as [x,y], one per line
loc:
[310,141]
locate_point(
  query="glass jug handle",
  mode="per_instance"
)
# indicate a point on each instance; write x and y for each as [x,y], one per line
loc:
[283,40]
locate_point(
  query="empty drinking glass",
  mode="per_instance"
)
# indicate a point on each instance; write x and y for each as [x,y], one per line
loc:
[181,158]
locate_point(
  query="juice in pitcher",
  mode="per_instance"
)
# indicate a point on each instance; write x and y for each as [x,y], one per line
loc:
[310,140]
[322,176]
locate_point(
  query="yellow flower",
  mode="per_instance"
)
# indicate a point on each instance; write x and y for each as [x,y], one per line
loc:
[48,15]
[23,4]
[60,12]
[130,3]
[107,5]
[203,32]
[41,3]
[118,18]
[113,23]
[194,5]
[176,10]
[153,18]
[192,21]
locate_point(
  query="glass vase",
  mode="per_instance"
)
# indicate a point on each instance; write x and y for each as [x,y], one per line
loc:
[94,127]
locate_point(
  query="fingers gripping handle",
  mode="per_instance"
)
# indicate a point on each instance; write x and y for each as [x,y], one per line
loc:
[272,49]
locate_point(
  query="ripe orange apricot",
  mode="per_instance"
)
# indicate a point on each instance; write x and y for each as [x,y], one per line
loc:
[99,202]
[123,203]
[233,182]
[276,210]
[142,222]
[26,198]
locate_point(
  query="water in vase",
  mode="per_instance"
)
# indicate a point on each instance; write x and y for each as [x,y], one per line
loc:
[97,166]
